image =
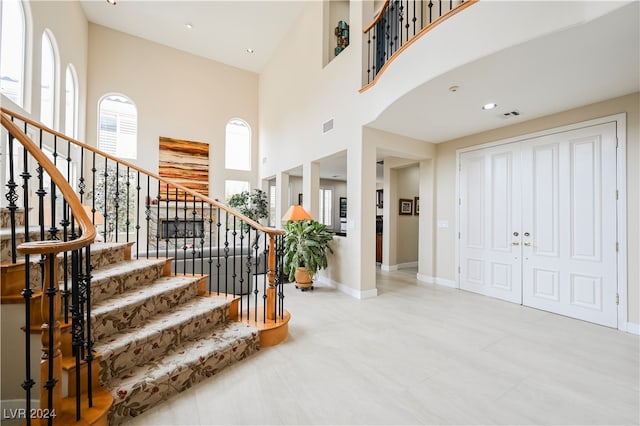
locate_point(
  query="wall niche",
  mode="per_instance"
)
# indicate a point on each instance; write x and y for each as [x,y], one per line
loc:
[336,30]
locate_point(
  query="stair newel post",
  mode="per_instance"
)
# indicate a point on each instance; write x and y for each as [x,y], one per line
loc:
[271,290]
[50,363]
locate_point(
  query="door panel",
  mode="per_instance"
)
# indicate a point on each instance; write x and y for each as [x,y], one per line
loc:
[489,215]
[569,210]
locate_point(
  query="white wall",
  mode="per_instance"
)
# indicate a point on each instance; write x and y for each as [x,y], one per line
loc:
[178,95]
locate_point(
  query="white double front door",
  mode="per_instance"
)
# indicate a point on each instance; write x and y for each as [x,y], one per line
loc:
[538,223]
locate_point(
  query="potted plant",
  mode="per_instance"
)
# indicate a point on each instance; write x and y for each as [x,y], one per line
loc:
[305,250]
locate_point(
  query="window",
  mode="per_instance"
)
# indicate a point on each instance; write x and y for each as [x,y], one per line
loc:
[232,187]
[71,103]
[12,50]
[118,126]
[47,81]
[326,206]
[237,145]
[272,205]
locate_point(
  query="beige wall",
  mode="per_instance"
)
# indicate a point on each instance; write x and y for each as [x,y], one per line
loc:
[445,250]
[408,187]
[177,95]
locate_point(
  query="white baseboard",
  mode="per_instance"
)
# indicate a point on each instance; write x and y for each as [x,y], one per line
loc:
[366,294]
[428,279]
[392,268]
[633,328]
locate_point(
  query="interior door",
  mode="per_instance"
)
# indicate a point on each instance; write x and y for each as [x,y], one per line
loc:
[490,222]
[569,223]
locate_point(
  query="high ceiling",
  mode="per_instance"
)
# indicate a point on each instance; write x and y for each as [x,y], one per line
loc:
[221,30]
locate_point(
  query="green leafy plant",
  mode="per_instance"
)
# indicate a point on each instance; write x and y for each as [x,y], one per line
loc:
[251,204]
[113,189]
[305,245]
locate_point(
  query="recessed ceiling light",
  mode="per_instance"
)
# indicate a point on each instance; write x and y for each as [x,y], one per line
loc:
[249,50]
[489,106]
[112,2]
[188,25]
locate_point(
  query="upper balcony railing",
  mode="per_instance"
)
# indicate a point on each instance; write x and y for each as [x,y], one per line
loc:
[398,24]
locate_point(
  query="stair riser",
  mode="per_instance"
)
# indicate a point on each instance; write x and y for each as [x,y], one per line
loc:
[104,289]
[139,353]
[5,243]
[5,218]
[132,401]
[99,259]
[126,317]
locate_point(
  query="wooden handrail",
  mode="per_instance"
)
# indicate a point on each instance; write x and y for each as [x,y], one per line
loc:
[378,16]
[413,39]
[252,223]
[88,230]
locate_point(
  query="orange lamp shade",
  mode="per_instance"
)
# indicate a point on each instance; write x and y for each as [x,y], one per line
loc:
[296,213]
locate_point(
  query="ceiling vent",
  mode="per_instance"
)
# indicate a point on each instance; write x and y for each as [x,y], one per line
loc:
[510,114]
[327,126]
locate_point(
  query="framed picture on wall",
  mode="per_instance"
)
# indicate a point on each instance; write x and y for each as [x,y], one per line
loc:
[406,206]
[300,199]
[343,207]
[379,198]
[416,206]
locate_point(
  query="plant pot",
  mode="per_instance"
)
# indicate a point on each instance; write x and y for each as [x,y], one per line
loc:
[303,279]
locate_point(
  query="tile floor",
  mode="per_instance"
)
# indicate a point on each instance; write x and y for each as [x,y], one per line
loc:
[421,354]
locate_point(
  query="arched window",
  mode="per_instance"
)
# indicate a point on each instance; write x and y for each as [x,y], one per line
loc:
[118,126]
[71,103]
[48,81]
[237,145]
[12,50]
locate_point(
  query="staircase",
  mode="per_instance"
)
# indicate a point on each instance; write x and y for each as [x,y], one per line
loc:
[120,327]
[156,334]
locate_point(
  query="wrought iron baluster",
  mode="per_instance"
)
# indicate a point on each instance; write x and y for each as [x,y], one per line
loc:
[243,225]
[138,214]
[51,319]
[116,202]
[210,246]
[147,214]
[89,343]
[12,197]
[234,275]
[105,213]
[128,186]
[77,324]
[219,226]
[256,247]
[265,254]
[184,232]
[226,253]
[158,198]
[27,292]
[193,242]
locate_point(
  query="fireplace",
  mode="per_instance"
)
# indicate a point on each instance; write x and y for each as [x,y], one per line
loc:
[180,228]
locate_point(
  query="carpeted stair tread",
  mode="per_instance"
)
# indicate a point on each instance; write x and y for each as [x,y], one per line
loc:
[116,279]
[135,305]
[145,386]
[151,339]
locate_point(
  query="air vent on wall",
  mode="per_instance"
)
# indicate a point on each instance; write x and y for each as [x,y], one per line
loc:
[510,114]
[326,126]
